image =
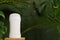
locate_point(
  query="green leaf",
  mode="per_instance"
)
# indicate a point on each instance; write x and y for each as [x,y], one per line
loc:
[2,14]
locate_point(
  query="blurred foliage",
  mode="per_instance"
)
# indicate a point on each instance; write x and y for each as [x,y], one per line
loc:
[58,27]
[40,18]
[2,14]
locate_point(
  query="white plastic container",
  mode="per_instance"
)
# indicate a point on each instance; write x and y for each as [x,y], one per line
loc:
[15,20]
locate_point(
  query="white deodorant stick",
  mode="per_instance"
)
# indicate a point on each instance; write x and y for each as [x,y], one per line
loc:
[15,20]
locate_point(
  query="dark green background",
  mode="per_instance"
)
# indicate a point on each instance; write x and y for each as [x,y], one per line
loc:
[40,18]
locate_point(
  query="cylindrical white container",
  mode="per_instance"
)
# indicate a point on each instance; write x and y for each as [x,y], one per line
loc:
[15,20]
